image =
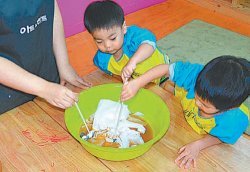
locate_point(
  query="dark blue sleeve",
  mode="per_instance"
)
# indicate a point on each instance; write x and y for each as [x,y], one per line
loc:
[185,75]
[101,60]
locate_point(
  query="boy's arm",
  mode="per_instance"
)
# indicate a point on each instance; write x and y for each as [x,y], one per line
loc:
[189,153]
[155,72]
[67,73]
[131,88]
[144,51]
[143,43]
[17,78]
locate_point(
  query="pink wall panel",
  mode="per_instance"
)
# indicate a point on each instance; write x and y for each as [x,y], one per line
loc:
[72,11]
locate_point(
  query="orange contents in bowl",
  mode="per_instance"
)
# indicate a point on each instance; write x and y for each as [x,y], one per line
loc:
[100,137]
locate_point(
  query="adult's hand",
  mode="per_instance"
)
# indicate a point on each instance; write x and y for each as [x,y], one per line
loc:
[69,75]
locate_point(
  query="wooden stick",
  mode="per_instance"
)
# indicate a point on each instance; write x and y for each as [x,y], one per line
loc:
[78,109]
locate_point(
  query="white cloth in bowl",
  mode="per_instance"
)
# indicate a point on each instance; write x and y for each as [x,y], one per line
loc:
[106,117]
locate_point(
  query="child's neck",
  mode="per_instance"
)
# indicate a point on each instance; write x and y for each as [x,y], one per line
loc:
[206,115]
[118,54]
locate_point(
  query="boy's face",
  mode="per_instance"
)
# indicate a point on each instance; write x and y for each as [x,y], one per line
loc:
[110,40]
[205,107]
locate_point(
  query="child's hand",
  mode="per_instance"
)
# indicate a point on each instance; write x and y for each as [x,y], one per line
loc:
[127,71]
[69,75]
[59,95]
[187,155]
[129,90]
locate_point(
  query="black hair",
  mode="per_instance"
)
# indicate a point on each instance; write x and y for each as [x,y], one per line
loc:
[224,82]
[103,15]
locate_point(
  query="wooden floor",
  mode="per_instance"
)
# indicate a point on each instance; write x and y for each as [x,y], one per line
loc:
[227,7]
[162,19]
[45,124]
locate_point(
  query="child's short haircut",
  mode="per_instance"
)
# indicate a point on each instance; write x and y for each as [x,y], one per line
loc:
[224,82]
[103,15]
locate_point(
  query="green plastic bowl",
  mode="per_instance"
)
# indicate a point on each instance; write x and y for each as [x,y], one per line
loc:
[155,111]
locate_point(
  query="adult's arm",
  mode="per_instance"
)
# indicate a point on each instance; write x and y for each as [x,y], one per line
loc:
[15,77]
[66,71]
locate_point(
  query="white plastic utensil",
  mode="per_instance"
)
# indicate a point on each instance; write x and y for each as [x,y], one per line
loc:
[120,110]
[78,109]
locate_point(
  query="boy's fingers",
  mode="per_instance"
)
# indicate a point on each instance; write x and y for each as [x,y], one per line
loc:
[183,154]
[188,163]
[126,96]
[131,71]
[194,163]
[184,162]
[126,74]
[178,159]
[123,77]
[181,149]
[123,93]
[123,96]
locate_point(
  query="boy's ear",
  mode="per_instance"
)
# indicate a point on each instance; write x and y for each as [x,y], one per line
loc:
[124,28]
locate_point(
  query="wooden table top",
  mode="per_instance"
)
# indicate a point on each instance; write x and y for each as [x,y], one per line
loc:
[33,137]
